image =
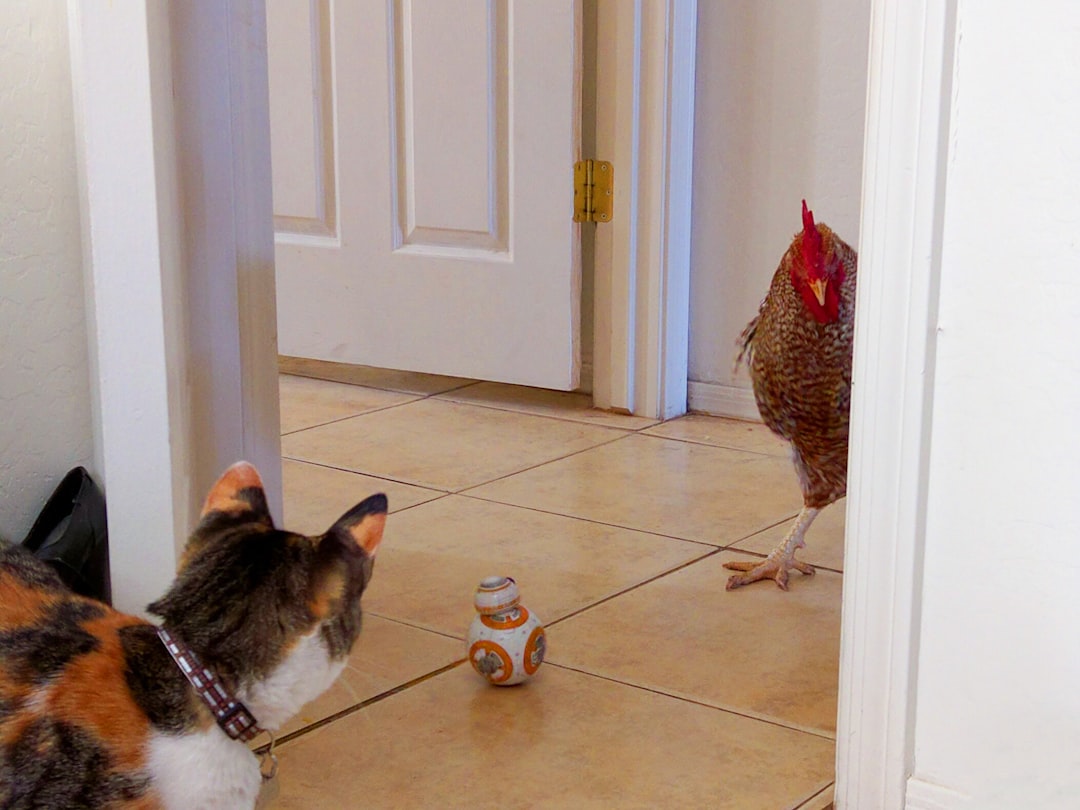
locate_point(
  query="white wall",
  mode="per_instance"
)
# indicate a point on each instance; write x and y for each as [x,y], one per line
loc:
[781,94]
[45,420]
[998,709]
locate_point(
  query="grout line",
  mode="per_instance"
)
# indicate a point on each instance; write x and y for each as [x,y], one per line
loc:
[416,626]
[641,584]
[711,546]
[622,434]
[661,575]
[369,475]
[731,546]
[760,718]
[466,493]
[770,526]
[415,398]
[700,443]
[444,396]
[625,434]
[524,412]
[300,732]
[519,412]
[412,506]
[417,394]
[469,486]
[817,795]
[461,387]
[715,546]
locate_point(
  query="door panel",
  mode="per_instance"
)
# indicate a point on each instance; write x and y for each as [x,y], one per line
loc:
[301,117]
[423,159]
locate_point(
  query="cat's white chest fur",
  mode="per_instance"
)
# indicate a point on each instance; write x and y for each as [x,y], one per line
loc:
[207,769]
[203,771]
[305,673]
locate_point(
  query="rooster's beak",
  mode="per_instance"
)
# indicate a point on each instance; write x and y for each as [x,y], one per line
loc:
[818,286]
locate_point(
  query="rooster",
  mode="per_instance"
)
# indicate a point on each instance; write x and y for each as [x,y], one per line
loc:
[798,349]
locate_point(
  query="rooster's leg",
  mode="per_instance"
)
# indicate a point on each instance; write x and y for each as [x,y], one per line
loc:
[780,560]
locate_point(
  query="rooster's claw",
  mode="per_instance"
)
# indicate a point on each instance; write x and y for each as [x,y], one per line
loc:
[774,568]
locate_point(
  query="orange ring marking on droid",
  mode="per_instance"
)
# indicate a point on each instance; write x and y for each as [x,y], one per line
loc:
[530,650]
[492,647]
[522,617]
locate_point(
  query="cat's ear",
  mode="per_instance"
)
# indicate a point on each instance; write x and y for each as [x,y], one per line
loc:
[363,524]
[361,527]
[237,496]
[239,492]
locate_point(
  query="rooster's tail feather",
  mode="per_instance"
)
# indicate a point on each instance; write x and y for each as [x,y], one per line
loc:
[746,343]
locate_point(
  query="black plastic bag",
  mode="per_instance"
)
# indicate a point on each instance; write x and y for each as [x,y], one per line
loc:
[72,536]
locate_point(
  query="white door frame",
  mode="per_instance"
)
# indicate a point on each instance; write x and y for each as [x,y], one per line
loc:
[904,162]
[172,140]
[645,126]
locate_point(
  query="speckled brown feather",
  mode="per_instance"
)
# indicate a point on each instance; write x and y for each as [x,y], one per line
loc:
[801,372]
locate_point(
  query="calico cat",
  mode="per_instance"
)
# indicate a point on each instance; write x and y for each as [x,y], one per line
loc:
[95,711]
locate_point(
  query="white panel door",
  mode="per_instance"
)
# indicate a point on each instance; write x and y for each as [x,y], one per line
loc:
[422,157]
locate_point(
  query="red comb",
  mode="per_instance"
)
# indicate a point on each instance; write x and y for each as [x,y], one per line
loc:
[811,240]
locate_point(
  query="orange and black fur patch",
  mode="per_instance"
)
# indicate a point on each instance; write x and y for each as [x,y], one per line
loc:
[84,688]
[70,732]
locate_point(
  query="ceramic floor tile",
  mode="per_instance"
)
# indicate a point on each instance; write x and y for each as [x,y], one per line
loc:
[824,539]
[434,556]
[539,401]
[409,382]
[386,655]
[317,496]
[563,740]
[306,402]
[734,433]
[757,650]
[692,491]
[443,445]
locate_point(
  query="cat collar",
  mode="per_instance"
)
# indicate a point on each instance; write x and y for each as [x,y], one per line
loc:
[232,715]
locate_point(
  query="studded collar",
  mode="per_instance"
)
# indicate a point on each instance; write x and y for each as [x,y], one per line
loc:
[232,715]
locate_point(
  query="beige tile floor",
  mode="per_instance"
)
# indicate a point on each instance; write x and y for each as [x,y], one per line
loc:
[660,689]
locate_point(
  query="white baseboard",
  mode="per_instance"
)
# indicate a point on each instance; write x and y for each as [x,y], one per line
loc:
[928,796]
[722,400]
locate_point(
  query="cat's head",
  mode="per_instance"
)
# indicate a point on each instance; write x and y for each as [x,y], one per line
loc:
[273,612]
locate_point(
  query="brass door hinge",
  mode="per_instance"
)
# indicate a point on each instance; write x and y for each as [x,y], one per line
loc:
[593,197]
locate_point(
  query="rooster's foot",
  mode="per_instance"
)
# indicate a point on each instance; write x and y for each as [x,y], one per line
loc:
[774,568]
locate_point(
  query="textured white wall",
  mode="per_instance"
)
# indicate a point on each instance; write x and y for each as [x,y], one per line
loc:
[45,420]
[781,96]
[998,707]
